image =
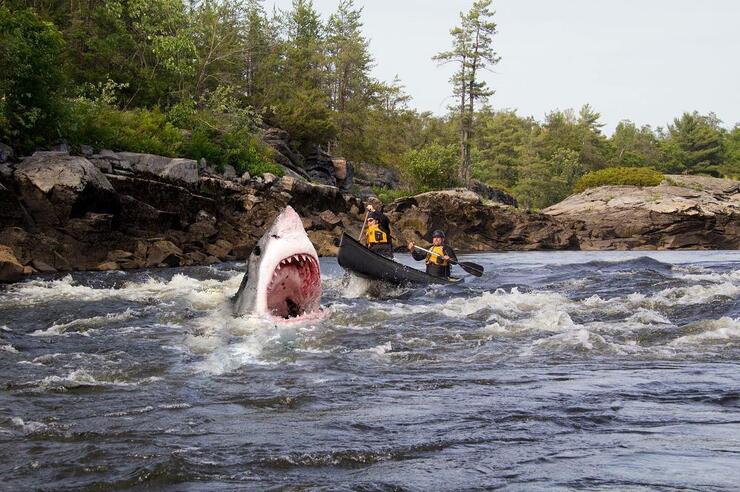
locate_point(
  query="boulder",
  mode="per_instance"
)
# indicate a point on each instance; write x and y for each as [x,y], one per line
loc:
[10,268]
[284,154]
[163,252]
[490,193]
[173,169]
[343,173]
[683,212]
[472,224]
[372,175]
[6,153]
[220,249]
[108,266]
[320,167]
[42,267]
[56,187]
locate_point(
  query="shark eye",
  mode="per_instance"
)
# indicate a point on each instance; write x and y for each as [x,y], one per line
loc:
[257,250]
[276,236]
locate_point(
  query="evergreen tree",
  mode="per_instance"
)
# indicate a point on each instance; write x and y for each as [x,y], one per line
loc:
[472,50]
[694,144]
[350,85]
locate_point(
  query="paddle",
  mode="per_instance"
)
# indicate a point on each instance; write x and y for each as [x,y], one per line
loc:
[468,266]
[359,238]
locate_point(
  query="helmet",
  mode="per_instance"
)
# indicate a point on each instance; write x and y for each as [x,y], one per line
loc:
[438,233]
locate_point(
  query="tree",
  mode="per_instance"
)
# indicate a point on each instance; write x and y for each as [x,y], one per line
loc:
[501,140]
[472,50]
[31,81]
[302,104]
[635,147]
[695,144]
[430,168]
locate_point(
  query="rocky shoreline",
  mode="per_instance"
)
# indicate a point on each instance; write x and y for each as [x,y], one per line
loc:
[109,211]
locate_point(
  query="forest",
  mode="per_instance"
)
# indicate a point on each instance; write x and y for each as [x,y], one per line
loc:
[201,79]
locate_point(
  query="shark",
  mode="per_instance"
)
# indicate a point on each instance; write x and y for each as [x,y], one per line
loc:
[283,276]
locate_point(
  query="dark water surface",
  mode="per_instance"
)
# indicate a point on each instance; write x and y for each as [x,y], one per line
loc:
[595,371]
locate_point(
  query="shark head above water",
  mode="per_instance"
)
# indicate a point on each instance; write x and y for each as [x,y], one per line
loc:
[283,278]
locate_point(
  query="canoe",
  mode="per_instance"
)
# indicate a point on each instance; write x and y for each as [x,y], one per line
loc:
[356,258]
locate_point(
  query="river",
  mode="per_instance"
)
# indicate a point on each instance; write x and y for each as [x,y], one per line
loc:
[555,370]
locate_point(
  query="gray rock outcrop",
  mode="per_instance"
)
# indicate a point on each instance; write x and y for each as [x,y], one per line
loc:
[683,212]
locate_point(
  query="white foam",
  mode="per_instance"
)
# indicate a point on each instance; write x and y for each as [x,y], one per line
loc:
[720,331]
[200,294]
[648,317]
[579,340]
[29,426]
[8,348]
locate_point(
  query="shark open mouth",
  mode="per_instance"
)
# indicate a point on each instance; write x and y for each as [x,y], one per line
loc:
[295,287]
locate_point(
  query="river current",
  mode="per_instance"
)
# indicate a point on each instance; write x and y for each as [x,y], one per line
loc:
[555,370]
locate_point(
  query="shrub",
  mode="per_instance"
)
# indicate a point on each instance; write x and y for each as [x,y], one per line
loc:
[432,168]
[387,195]
[635,176]
[103,126]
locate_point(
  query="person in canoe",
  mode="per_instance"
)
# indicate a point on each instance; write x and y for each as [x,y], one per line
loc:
[378,237]
[438,264]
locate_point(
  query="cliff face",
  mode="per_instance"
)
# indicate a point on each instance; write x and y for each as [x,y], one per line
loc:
[683,212]
[472,223]
[60,212]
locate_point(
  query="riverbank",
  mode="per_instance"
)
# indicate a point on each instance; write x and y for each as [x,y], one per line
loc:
[111,211]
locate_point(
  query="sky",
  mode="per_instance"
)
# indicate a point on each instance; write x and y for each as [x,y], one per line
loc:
[643,60]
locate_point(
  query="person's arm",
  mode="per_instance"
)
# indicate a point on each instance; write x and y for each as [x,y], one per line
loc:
[416,254]
[451,253]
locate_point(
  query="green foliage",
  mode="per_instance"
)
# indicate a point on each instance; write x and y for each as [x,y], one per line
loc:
[633,176]
[387,195]
[434,167]
[31,79]
[103,126]
[695,144]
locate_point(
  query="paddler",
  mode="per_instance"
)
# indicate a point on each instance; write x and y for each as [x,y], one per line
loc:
[438,264]
[378,236]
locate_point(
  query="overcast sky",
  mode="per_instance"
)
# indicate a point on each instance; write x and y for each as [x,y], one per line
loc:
[647,60]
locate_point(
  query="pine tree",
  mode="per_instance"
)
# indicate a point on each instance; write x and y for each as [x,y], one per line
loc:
[472,50]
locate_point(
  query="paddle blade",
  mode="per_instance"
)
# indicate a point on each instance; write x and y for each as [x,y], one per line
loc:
[471,268]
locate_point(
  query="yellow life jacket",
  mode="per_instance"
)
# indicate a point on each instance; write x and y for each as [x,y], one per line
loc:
[437,260]
[376,235]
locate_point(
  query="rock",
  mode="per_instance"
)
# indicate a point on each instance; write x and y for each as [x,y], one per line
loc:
[284,154]
[269,178]
[6,153]
[229,172]
[491,193]
[118,255]
[683,212]
[472,224]
[92,225]
[87,151]
[163,252]
[11,211]
[220,249]
[371,175]
[330,218]
[320,167]
[61,146]
[325,242]
[56,187]
[184,170]
[108,266]
[10,268]
[43,267]
[343,173]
